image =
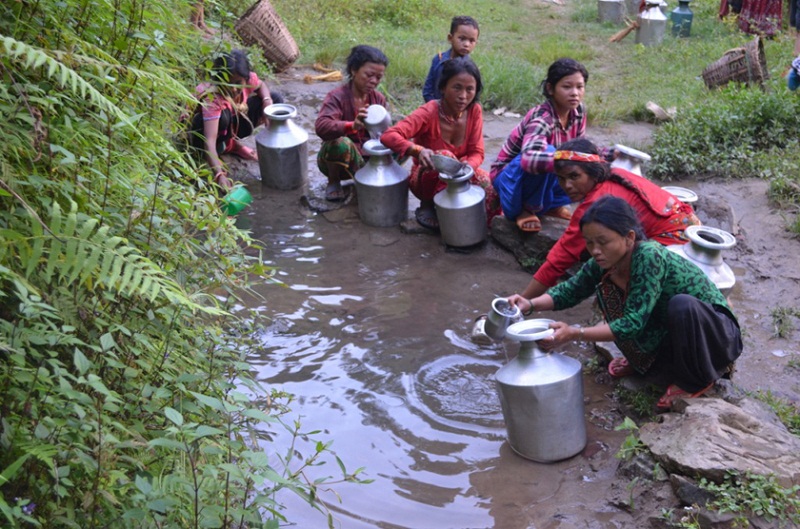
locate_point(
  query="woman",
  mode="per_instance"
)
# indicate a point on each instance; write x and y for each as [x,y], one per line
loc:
[451,126]
[585,177]
[523,174]
[231,106]
[660,309]
[340,123]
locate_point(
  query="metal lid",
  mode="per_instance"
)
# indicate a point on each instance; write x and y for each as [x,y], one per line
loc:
[530,330]
[628,151]
[687,196]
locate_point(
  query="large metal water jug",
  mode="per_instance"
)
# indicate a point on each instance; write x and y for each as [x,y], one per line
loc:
[652,24]
[542,397]
[461,209]
[629,159]
[611,11]
[704,249]
[282,149]
[381,187]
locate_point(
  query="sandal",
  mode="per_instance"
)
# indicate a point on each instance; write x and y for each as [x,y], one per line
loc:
[674,393]
[243,152]
[426,217]
[562,212]
[529,223]
[620,367]
[334,193]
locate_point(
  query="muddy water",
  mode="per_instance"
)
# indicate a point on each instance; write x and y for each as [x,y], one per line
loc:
[370,332]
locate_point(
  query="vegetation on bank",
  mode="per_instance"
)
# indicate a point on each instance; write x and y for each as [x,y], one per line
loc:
[125,398]
[732,133]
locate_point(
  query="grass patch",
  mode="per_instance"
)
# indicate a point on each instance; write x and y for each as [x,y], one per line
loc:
[788,413]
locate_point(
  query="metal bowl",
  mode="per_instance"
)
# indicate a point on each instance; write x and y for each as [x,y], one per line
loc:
[447,165]
[530,330]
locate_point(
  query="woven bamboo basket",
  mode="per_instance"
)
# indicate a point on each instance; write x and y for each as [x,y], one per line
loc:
[747,64]
[261,26]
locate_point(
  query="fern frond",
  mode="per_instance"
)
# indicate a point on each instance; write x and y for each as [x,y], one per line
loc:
[34,58]
[81,250]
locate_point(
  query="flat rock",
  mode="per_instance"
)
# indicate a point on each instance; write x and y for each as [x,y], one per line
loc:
[530,249]
[709,437]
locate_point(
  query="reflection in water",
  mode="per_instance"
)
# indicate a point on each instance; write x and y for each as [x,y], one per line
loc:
[373,341]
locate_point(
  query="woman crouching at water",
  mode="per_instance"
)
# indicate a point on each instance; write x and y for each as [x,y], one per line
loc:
[661,310]
[585,176]
[451,126]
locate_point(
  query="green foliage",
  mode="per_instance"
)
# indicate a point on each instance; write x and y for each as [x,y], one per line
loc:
[632,445]
[641,402]
[787,412]
[752,494]
[784,320]
[125,398]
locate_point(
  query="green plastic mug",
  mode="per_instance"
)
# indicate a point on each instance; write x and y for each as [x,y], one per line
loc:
[236,200]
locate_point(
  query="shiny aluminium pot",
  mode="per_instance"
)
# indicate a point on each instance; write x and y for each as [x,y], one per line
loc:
[629,159]
[500,317]
[282,149]
[652,24]
[377,121]
[381,187]
[541,395]
[461,210]
[611,11]
[704,249]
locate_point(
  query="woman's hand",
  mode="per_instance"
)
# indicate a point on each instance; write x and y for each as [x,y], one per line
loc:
[362,115]
[524,304]
[564,333]
[425,160]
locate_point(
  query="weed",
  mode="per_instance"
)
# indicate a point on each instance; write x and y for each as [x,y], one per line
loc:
[642,402]
[592,365]
[752,494]
[783,321]
[632,445]
[788,413]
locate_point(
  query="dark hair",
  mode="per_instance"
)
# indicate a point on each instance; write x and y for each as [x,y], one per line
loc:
[227,65]
[453,67]
[463,21]
[362,54]
[597,171]
[616,215]
[560,69]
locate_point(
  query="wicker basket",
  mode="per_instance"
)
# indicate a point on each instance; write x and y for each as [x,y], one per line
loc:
[262,26]
[747,64]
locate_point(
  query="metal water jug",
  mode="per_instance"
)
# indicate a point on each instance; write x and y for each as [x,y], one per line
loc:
[652,24]
[704,249]
[500,317]
[629,159]
[611,11]
[682,19]
[381,187]
[461,209]
[542,397]
[282,149]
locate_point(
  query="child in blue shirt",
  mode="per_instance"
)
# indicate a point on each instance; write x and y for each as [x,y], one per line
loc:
[463,37]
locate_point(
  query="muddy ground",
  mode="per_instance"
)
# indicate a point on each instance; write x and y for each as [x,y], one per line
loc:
[765,261]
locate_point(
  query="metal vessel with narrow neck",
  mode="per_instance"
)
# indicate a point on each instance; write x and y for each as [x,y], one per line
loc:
[461,209]
[282,149]
[381,187]
[704,249]
[652,24]
[542,397]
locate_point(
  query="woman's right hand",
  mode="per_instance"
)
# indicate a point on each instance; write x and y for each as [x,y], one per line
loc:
[425,160]
[358,123]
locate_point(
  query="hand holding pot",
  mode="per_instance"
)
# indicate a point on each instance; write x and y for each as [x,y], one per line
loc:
[564,333]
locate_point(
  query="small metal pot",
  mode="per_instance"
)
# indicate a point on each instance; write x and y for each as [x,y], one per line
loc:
[500,317]
[377,121]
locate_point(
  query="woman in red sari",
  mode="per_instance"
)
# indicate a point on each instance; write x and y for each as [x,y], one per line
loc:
[452,126]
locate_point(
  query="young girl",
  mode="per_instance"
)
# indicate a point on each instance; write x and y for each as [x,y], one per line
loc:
[231,106]
[661,310]
[523,174]
[340,123]
[452,126]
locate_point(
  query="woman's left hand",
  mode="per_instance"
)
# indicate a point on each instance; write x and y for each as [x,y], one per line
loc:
[562,335]
[425,160]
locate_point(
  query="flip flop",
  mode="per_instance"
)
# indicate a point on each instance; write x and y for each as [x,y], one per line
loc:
[561,212]
[334,193]
[426,217]
[526,219]
[243,152]
[674,393]
[620,367]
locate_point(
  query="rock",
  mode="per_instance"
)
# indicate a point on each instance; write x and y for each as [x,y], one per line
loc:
[642,466]
[688,491]
[530,249]
[608,350]
[708,437]
[716,213]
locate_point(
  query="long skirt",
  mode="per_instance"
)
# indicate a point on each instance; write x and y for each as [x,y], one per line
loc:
[703,341]
[520,190]
[343,152]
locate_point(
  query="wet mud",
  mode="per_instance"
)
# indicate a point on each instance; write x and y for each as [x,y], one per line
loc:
[370,331]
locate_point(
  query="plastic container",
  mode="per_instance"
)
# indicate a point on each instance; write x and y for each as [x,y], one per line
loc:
[236,200]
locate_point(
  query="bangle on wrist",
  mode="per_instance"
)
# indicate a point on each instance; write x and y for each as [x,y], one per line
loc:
[530,310]
[582,337]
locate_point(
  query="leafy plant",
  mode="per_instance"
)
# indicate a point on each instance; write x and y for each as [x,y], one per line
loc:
[783,320]
[753,494]
[632,445]
[641,401]
[788,413]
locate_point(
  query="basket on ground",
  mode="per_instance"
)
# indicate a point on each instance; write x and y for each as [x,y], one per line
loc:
[747,64]
[261,26]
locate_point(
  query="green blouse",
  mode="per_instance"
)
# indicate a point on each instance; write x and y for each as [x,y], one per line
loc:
[657,275]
